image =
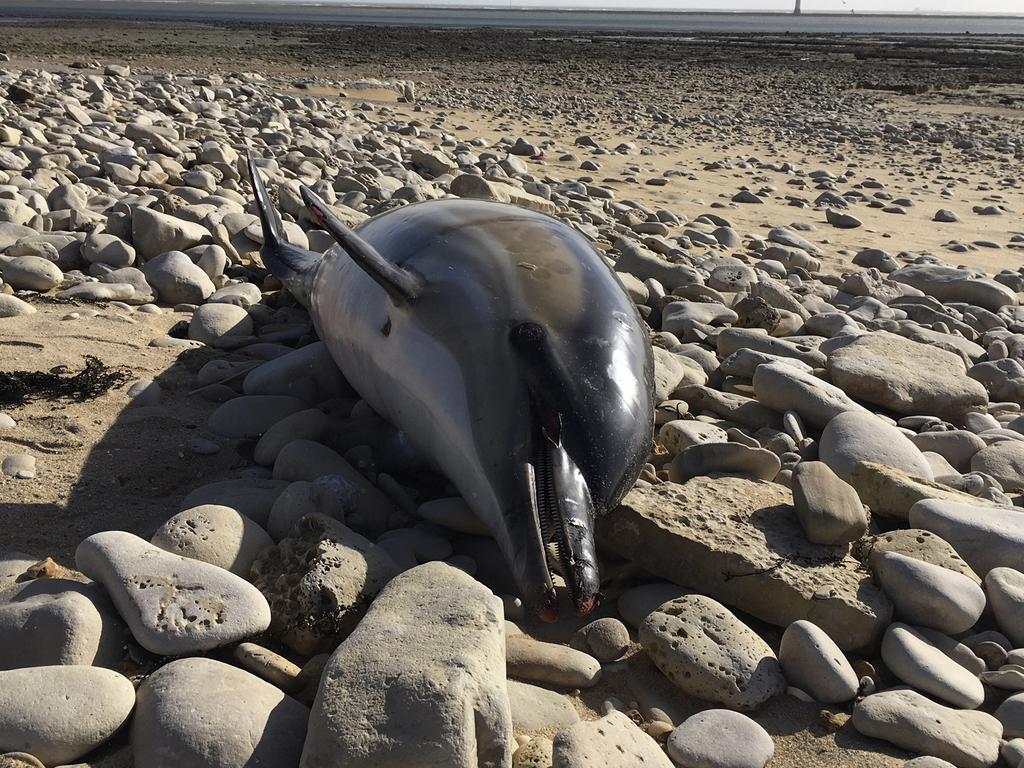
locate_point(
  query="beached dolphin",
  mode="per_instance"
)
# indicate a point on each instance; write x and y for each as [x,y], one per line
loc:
[502,345]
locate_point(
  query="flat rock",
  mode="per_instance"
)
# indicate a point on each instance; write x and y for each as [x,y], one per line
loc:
[214,534]
[740,542]
[905,376]
[421,680]
[723,458]
[907,719]
[813,662]
[613,741]
[198,711]
[60,713]
[951,284]
[720,738]
[173,605]
[854,437]
[707,652]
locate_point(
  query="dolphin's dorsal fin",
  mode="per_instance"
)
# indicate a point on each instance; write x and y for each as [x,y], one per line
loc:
[293,265]
[401,284]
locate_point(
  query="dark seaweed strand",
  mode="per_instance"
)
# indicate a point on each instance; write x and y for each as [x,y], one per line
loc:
[20,387]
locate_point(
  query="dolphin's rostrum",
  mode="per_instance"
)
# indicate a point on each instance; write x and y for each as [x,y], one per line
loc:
[502,345]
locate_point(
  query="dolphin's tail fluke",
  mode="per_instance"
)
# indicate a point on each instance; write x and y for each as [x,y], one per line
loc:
[294,266]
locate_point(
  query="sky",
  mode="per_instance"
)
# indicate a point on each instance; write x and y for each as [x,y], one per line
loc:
[860,6]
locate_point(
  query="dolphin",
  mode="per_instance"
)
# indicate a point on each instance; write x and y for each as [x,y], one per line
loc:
[502,345]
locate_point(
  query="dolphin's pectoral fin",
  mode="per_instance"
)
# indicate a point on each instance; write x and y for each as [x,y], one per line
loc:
[288,262]
[401,284]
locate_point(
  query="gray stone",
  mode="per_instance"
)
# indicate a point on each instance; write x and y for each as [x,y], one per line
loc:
[421,681]
[252,415]
[1004,461]
[985,537]
[726,458]
[176,279]
[173,605]
[13,565]
[636,604]
[214,534]
[154,233]
[1005,587]
[605,639]
[1011,714]
[220,325]
[12,306]
[613,741]
[908,655]
[854,437]
[195,712]
[44,622]
[708,653]
[812,662]
[549,663]
[252,497]
[678,435]
[828,509]
[61,713]
[309,424]
[30,273]
[538,709]
[785,388]
[720,738]
[308,373]
[927,594]
[104,248]
[907,719]
[950,284]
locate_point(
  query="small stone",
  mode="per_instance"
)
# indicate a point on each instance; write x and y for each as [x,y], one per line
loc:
[270,666]
[812,662]
[20,466]
[724,458]
[252,415]
[536,753]
[548,663]
[918,663]
[605,639]
[720,738]
[1011,714]
[1005,587]
[220,325]
[198,711]
[538,709]
[636,604]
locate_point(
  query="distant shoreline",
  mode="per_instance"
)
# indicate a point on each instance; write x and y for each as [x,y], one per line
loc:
[644,20]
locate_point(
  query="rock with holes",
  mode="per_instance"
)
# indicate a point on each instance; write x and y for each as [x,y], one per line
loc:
[707,652]
[214,534]
[420,682]
[173,605]
[907,719]
[614,741]
[813,663]
[320,581]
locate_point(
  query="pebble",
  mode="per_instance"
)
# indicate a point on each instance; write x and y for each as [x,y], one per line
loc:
[549,663]
[928,594]
[918,663]
[252,415]
[220,325]
[812,662]
[538,709]
[61,713]
[1011,714]
[722,660]
[270,666]
[720,738]
[605,639]
[724,458]
[173,605]
[853,437]
[21,466]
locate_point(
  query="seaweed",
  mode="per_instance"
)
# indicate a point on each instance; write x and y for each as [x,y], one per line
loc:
[97,378]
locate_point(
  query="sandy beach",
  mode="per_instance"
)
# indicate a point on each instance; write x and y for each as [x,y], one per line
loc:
[910,145]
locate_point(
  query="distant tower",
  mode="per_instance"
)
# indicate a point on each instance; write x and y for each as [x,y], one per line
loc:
[796,8]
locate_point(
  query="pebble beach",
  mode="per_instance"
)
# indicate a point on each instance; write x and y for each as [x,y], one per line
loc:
[209,555]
